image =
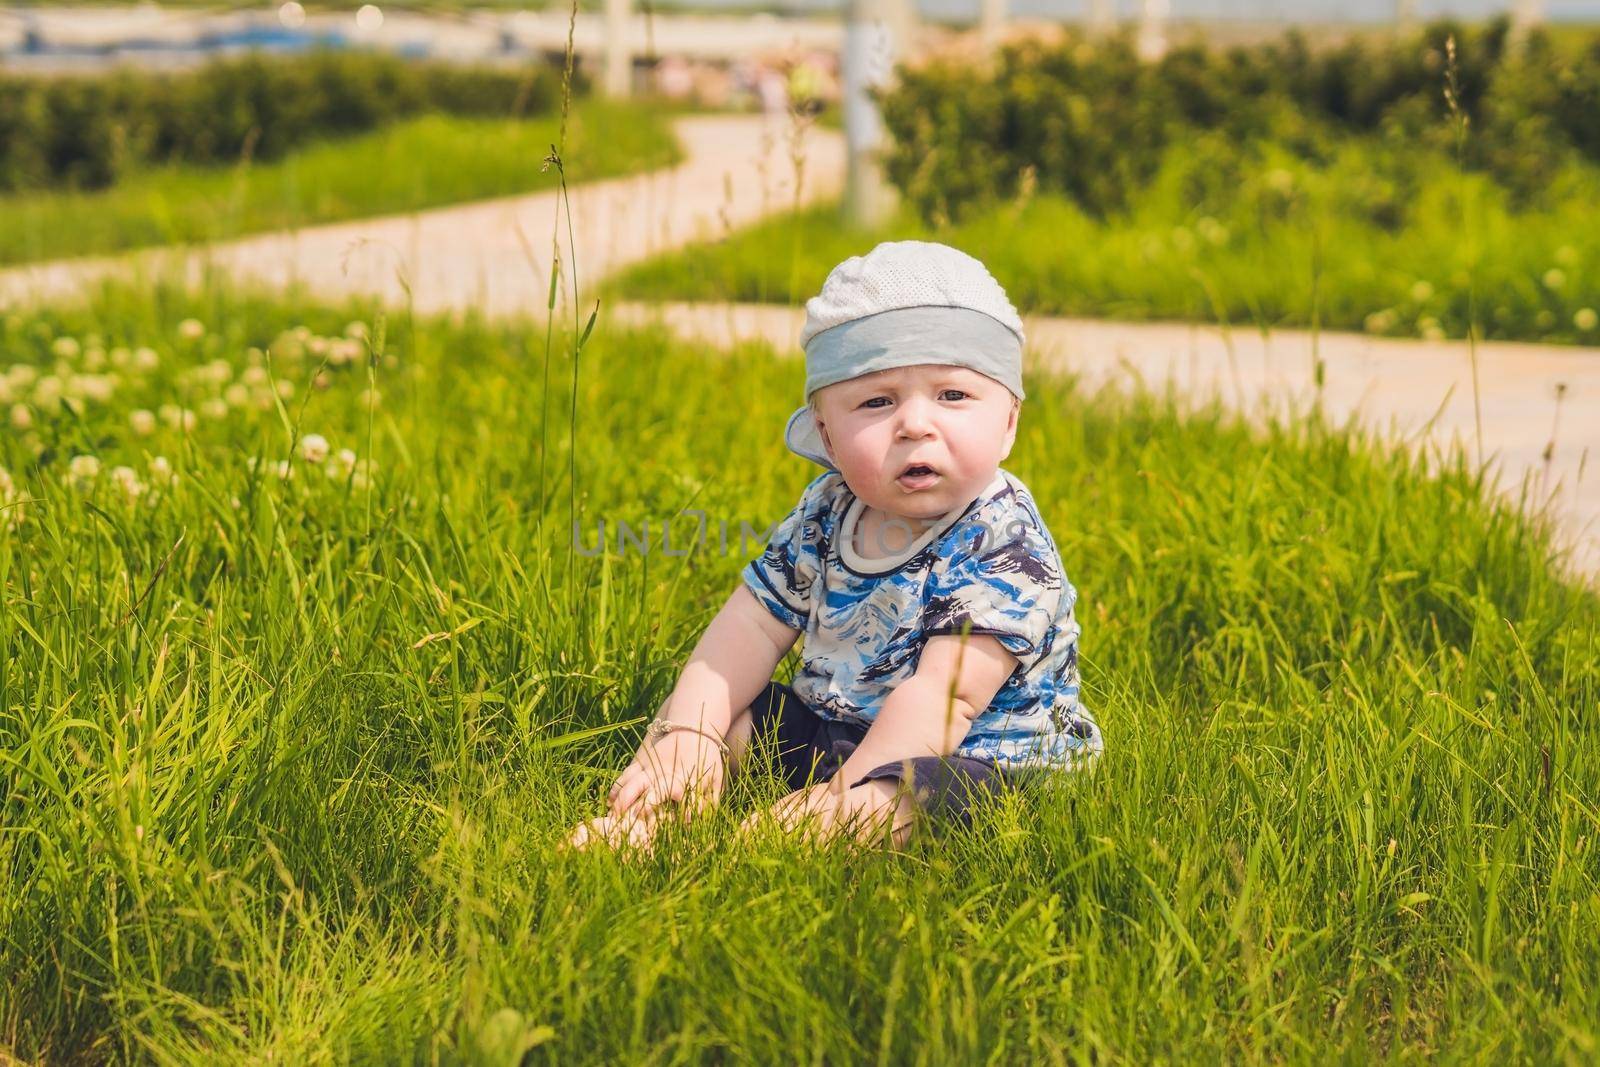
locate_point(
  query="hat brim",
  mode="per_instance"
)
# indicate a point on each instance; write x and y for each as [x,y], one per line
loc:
[804,439]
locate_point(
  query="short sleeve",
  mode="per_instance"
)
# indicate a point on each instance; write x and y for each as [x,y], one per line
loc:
[781,577]
[1006,583]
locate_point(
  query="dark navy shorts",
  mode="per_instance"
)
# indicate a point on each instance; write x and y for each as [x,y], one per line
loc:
[810,749]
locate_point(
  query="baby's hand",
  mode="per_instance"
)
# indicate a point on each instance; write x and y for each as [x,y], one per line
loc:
[682,768]
[632,829]
[826,811]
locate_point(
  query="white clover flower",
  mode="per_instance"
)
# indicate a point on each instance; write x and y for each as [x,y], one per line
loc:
[22,375]
[342,464]
[1380,321]
[1212,230]
[254,357]
[236,395]
[1280,181]
[142,421]
[317,346]
[191,329]
[161,472]
[94,358]
[121,358]
[1586,319]
[314,448]
[254,375]
[145,359]
[7,394]
[370,398]
[356,330]
[282,469]
[96,387]
[214,408]
[344,352]
[65,348]
[216,372]
[321,380]
[10,501]
[1421,291]
[286,347]
[21,417]
[179,418]
[1555,278]
[82,469]
[126,479]
[47,390]
[284,387]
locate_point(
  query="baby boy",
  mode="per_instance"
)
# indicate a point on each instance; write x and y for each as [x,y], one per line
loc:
[940,658]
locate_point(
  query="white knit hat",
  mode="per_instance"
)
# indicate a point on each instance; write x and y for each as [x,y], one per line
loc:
[904,303]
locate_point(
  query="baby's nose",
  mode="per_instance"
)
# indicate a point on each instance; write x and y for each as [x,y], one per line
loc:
[916,416]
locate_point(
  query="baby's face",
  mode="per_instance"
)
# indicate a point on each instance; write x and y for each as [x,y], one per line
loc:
[955,421]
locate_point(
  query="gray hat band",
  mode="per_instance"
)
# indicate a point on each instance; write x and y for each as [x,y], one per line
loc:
[952,336]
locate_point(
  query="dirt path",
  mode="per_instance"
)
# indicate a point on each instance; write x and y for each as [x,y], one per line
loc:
[494,256]
[1420,390]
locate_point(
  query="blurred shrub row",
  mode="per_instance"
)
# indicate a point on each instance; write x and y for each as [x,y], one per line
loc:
[1094,122]
[85,132]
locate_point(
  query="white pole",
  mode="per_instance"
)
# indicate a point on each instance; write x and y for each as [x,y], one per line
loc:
[1525,15]
[1102,16]
[1153,28]
[869,53]
[991,23]
[619,56]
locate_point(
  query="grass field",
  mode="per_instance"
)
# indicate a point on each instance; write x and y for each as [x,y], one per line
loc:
[288,733]
[416,163]
[1275,242]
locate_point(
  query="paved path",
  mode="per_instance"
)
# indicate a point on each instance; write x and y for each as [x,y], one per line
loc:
[495,256]
[1421,390]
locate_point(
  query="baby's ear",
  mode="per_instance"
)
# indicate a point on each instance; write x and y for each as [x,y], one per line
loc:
[1011,428]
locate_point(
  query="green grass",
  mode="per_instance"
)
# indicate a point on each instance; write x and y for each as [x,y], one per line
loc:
[1352,244]
[282,762]
[417,163]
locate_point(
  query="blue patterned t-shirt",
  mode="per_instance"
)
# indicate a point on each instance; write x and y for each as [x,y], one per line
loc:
[993,565]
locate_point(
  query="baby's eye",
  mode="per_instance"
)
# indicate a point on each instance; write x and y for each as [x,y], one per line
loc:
[872,402]
[958,392]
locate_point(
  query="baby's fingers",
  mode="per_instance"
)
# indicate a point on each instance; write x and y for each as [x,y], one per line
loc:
[629,792]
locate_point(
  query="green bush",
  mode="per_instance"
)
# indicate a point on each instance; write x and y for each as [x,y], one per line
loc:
[1094,121]
[87,132]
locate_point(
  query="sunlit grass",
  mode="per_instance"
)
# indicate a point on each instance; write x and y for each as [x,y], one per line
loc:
[415,163]
[1203,244]
[283,760]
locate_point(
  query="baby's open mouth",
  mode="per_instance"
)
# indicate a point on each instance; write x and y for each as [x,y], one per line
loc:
[917,475]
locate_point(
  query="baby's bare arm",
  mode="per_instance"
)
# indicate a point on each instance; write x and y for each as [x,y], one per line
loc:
[730,665]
